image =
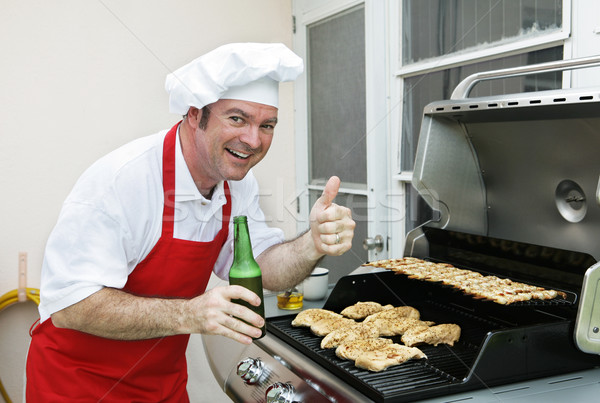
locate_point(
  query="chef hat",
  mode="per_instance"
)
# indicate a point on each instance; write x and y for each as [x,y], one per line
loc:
[245,71]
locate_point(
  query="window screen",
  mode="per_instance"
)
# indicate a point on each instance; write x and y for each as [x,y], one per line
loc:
[337,120]
[336,75]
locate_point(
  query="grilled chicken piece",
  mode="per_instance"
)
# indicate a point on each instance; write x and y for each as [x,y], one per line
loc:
[361,310]
[352,349]
[355,332]
[447,333]
[327,325]
[397,312]
[309,316]
[397,326]
[393,354]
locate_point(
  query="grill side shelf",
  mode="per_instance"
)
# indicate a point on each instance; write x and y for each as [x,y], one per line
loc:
[527,352]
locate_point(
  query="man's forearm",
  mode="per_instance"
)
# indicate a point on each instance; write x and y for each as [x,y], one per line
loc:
[115,314]
[287,264]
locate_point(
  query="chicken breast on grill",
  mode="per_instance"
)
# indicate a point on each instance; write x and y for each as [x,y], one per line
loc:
[327,325]
[393,354]
[352,349]
[396,312]
[355,332]
[361,310]
[309,316]
[446,333]
[397,326]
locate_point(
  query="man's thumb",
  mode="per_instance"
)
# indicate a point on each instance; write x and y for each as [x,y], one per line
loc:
[330,191]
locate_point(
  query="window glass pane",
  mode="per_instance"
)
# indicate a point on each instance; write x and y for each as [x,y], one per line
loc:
[432,28]
[337,121]
[423,89]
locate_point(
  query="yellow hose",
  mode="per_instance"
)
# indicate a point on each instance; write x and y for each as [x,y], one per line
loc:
[4,394]
[12,297]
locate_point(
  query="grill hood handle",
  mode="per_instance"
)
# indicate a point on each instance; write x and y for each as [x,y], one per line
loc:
[598,193]
[463,88]
[587,325]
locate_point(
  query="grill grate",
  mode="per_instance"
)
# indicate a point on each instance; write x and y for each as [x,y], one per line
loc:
[445,365]
[499,344]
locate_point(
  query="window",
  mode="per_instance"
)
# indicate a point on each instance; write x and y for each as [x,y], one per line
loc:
[432,28]
[441,42]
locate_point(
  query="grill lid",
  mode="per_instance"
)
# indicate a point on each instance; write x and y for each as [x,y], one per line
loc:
[521,167]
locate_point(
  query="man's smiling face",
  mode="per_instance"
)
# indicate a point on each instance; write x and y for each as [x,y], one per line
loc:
[237,136]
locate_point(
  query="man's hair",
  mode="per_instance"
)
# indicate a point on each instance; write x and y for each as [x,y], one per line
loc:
[203,119]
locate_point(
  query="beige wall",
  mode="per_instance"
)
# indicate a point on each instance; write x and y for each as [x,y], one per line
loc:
[79,78]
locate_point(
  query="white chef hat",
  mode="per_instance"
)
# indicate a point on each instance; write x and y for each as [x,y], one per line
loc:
[245,71]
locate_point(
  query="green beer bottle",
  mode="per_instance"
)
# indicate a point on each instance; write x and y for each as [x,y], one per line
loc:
[244,270]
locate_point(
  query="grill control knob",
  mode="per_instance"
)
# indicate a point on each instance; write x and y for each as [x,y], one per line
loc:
[280,392]
[250,370]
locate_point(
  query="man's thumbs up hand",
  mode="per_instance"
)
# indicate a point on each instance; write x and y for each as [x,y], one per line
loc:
[331,226]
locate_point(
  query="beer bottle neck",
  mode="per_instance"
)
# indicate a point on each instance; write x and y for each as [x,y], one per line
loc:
[242,246]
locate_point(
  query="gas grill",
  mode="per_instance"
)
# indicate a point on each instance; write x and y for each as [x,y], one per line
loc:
[514,184]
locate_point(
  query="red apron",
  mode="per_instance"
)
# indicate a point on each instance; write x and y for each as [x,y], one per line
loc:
[66,365]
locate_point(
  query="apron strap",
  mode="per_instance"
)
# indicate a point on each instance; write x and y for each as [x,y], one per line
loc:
[169,181]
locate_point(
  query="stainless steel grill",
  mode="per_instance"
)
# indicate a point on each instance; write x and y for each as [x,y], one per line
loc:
[514,183]
[499,344]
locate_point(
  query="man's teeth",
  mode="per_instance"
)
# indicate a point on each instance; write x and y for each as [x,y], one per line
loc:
[238,154]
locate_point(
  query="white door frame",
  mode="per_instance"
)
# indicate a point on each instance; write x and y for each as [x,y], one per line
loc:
[381,206]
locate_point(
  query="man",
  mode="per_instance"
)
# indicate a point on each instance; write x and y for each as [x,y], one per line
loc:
[127,264]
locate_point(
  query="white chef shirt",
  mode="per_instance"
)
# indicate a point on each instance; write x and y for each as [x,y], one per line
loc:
[112,219]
